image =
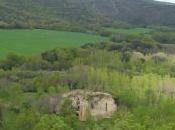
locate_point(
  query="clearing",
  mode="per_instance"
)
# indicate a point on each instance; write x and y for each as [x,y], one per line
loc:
[27,42]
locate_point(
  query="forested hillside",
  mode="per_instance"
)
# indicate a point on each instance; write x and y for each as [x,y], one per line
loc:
[38,13]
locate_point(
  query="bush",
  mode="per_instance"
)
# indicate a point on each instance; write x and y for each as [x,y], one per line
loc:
[51,122]
[105,33]
[159,57]
[61,59]
[118,38]
[164,37]
[11,61]
[137,56]
[142,46]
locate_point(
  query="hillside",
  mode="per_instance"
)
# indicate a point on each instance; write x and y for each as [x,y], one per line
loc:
[62,12]
[87,65]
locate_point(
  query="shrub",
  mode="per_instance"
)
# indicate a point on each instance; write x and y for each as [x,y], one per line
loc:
[51,122]
[118,38]
[12,60]
[137,56]
[159,57]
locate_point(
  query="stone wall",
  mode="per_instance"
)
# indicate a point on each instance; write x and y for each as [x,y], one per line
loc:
[98,104]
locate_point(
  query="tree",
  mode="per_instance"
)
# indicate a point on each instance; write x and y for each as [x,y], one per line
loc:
[51,122]
[1,115]
[12,60]
[125,121]
[25,121]
[118,38]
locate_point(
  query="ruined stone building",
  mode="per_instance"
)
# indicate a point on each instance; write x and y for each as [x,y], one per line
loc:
[98,104]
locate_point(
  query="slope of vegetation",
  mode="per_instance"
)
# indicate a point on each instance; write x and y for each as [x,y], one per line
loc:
[40,13]
[34,41]
[130,31]
[131,60]
[142,84]
[135,70]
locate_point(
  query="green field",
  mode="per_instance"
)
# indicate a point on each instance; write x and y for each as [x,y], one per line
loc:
[132,31]
[28,42]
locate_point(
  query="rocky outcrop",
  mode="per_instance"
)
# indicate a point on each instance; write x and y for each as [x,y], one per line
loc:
[97,104]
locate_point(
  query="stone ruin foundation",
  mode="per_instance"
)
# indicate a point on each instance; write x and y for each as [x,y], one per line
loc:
[97,104]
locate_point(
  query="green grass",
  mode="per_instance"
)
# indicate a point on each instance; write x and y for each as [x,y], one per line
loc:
[132,31]
[27,42]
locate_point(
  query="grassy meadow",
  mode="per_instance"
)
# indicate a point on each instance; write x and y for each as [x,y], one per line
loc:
[131,31]
[27,42]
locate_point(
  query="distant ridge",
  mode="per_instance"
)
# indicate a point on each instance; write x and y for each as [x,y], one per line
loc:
[136,12]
